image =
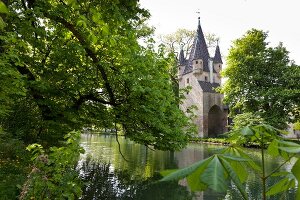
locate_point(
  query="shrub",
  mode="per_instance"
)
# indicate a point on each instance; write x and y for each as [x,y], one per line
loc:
[54,174]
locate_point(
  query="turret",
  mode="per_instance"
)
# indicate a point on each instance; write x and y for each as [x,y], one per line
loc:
[199,54]
[217,60]
[181,64]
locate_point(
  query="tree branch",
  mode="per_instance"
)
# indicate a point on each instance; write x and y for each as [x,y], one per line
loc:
[89,52]
[89,97]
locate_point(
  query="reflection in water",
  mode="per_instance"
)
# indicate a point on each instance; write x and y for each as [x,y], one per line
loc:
[104,184]
[108,176]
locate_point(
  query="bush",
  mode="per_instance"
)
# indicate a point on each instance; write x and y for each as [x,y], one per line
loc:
[13,166]
[54,175]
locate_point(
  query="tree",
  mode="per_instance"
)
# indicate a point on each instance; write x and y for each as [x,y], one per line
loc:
[79,63]
[183,38]
[262,80]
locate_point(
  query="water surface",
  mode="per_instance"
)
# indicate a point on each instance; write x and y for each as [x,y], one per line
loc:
[109,175]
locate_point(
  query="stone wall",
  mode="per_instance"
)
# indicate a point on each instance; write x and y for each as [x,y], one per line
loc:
[204,101]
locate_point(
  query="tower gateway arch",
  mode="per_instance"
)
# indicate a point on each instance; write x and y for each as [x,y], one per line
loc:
[202,73]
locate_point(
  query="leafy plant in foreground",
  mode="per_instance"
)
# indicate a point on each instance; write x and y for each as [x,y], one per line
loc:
[53,175]
[232,164]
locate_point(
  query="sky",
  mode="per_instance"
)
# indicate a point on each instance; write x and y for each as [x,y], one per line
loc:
[230,19]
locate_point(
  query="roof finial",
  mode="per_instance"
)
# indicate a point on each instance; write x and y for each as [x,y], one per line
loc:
[198,12]
[218,42]
[181,46]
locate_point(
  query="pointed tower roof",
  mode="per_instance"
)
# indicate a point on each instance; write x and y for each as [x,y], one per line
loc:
[200,47]
[181,58]
[199,50]
[217,58]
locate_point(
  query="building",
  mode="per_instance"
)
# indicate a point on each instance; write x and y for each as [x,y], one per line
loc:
[202,73]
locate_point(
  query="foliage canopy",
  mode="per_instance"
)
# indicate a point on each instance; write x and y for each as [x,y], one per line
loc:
[70,64]
[262,80]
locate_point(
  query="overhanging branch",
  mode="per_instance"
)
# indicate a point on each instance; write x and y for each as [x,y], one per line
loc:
[89,52]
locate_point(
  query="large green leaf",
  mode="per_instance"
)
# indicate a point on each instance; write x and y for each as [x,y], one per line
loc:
[167,172]
[215,176]
[2,24]
[234,177]
[273,148]
[3,8]
[290,149]
[282,173]
[267,129]
[288,144]
[238,152]
[194,181]
[241,170]
[296,172]
[235,158]
[182,173]
[247,131]
[283,185]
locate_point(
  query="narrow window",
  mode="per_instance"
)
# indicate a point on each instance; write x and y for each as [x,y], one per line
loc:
[196,61]
[187,81]
[206,78]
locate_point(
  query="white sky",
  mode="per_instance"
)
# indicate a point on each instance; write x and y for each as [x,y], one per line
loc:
[230,19]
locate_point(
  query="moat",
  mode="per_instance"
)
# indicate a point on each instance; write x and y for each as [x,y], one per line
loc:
[110,176]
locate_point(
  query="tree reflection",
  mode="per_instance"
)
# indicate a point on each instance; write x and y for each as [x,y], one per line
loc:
[101,181]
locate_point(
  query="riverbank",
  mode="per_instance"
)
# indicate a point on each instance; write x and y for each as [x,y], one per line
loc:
[226,142]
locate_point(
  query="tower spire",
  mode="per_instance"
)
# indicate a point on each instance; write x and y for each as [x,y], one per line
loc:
[181,56]
[199,49]
[217,58]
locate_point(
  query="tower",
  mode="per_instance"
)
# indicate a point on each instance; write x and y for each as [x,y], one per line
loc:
[202,73]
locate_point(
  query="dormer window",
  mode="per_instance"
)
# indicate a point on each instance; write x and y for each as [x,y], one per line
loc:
[196,61]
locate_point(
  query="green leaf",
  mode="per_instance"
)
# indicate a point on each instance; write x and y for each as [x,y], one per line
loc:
[2,24]
[234,177]
[290,149]
[70,2]
[234,158]
[105,30]
[280,174]
[289,144]
[182,173]
[283,185]
[241,170]
[215,176]
[296,172]
[247,131]
[251,163]
[3,8]
[194,181]
[273,148]
[167,172]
